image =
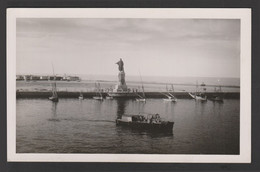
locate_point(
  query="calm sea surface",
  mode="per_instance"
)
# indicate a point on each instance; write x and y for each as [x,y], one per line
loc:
[88,126]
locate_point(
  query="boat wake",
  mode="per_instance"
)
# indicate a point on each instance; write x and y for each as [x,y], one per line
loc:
[73,119]
[54,120]
[100,121]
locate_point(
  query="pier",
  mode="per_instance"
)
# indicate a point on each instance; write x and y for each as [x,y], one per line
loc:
[65,94]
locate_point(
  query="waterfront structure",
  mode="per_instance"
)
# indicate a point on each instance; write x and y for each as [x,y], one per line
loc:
[34,78]
[121,89]
[72,78]
[26,77]
[46,77]
[121,86]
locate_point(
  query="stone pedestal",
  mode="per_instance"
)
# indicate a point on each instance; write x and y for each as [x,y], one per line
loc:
[121,86]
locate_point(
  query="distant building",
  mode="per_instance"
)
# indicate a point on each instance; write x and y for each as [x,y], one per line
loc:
[35,78]
[27,77]
[19,77]
[73,78]
[57,78]
[44,78]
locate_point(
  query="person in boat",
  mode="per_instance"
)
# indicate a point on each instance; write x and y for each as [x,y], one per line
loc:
[154,119]
[120,64]
[157,118]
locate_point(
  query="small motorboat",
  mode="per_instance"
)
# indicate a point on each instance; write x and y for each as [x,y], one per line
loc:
[151,122]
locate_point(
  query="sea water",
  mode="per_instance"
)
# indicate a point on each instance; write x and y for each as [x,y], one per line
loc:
[88,126]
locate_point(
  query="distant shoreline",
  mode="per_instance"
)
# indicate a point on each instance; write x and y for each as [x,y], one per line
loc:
[138,82]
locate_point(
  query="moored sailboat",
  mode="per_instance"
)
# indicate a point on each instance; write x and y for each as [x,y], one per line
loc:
[98,92]
[54,96]
[81,97]
[141,98]
[198,95]
[218,96]
[170,96]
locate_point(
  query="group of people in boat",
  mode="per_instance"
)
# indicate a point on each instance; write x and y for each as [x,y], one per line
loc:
[153,118]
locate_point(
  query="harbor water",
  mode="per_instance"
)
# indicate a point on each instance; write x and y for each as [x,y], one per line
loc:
[88,126]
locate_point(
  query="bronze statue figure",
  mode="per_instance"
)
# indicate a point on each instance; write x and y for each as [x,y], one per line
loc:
[120,65]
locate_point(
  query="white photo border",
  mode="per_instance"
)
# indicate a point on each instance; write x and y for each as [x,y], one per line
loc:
[244,14]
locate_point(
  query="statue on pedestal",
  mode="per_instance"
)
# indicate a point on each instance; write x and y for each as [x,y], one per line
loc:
[121,76]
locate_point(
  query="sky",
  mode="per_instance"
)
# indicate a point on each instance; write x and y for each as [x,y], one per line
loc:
[155,47]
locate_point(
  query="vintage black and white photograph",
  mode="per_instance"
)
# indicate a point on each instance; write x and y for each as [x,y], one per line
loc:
[125,85]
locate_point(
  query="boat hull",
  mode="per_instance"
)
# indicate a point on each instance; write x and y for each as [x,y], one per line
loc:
[217,99]
[141,100]
[98,98]
[170,100]
[196,97]
[163,126]
[54,99]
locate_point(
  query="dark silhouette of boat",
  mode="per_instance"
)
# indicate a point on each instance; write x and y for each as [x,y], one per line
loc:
[218,96]
[150,122]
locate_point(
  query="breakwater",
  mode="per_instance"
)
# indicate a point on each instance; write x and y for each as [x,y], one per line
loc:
[66,94]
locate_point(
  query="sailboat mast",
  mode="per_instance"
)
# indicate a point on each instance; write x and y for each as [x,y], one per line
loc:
[143,91]
[142,84]
[219,86]
[54,87]
[54,77]
[196,87]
